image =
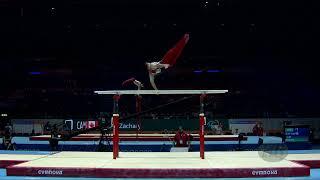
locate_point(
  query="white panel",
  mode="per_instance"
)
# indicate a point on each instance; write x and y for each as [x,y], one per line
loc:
[22,128]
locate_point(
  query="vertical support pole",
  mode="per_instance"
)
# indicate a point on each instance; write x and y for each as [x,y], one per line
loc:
[201,134]
[202,123]
[138,110]
[115,136]
[115,121]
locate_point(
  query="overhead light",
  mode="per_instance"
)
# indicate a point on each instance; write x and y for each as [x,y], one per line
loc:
[4,115]
[197,71]
[213,70]
[35,73]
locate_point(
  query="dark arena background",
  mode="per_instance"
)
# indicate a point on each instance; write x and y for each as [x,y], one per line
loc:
[238,89]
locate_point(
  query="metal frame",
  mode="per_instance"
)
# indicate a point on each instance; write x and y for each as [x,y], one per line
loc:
[115,117]
[120,92]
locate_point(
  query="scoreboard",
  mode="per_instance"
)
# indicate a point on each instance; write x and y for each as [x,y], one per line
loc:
[298,133]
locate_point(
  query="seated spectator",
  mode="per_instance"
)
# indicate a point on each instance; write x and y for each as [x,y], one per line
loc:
[7,140]
[218,128]
[236,132]
[165,131]
[258,129]
[181,139]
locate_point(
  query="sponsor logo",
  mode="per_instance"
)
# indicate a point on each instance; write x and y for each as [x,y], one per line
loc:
[136,151]
[81,125]
[128,126]
[86,124]
[50,172]
[211,124]
[266,172]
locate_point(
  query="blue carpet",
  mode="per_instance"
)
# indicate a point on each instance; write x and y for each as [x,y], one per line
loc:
[26,152]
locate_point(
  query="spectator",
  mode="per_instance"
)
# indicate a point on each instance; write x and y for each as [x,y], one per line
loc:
[236,132]
[317,135]
[33,132]
[283,136]
[54,139]
[65,127]
[181,139]
[216,128]
[7,140]
[219,129]
[311,135]
[8,129]
[258,129]
[47,127]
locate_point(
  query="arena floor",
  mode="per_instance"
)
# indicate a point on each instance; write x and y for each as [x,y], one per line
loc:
[314,175]
[133,160]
